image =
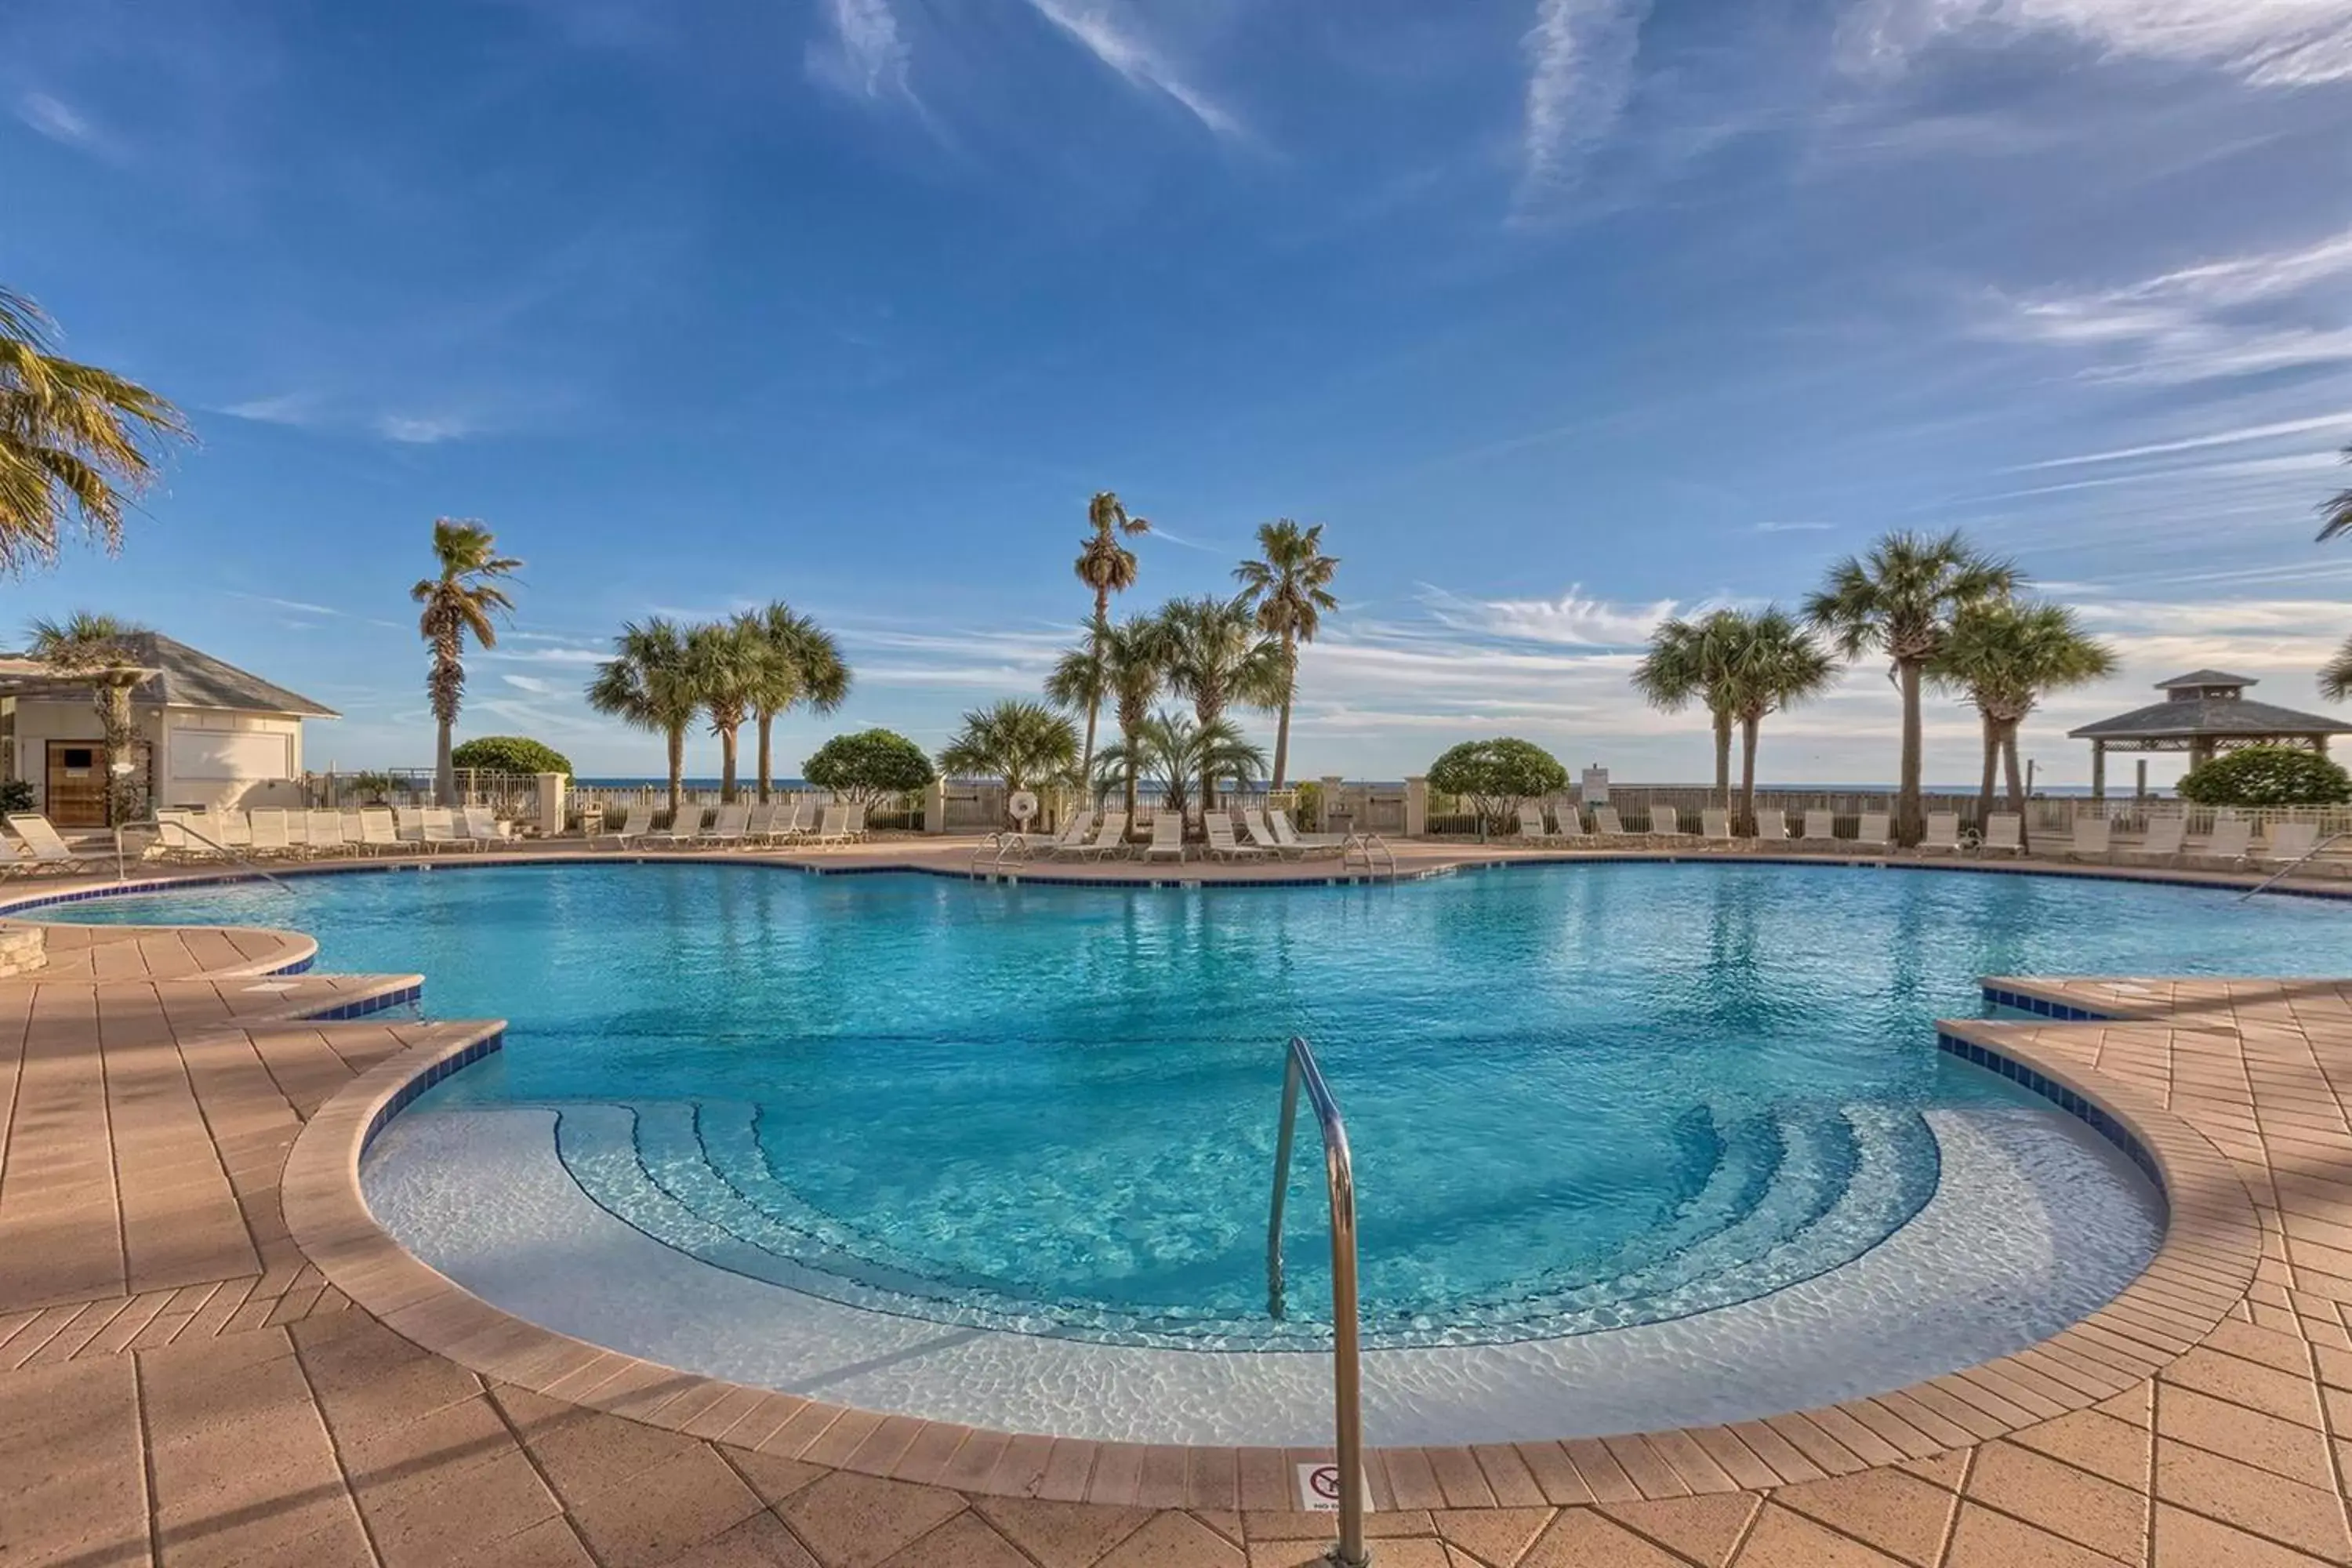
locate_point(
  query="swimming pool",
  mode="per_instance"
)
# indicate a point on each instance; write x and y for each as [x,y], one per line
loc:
[1584,1100]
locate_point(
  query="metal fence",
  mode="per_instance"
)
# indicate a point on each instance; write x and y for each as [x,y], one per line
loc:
[514,796]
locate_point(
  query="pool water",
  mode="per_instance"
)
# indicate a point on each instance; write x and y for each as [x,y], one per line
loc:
[1580,1096]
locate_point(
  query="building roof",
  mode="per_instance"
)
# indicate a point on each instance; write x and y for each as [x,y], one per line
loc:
[181,677]
[2230,717]
[2206,678]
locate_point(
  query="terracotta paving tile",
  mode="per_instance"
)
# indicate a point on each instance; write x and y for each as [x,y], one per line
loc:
[1891,1510]
[2060,1499]
[2185,1540]
[1785,1539]
[2306,1518]
[850,1521]
[1703,1529]
[2283,1448]
[1983,1539]
[1494,1534]
[1173,1540]
[654,1516]
[2093,1440]
[74,1488]
[1060,1535]
[1581,1538]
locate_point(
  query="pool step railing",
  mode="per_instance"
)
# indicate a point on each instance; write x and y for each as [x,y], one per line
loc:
[164,831]
[1300,1071]
[2292,867]
[1372,851]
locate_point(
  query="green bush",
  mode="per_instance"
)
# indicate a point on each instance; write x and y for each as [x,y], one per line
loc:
[509,755]
[16,794]
[1496,775]
[2267,775]
[868,765]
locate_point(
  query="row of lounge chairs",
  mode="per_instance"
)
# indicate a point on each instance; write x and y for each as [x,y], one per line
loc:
[1239,835]
[276,832]
[774,822]
[2166,840]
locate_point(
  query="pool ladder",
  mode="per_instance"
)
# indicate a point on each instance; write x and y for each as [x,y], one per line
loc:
[1372,851]
[1346,1383]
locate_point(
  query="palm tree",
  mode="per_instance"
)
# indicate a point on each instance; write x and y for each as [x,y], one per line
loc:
[2336,675]
[103,651]
[2003,658]
[1694,661]
[75,442]
[648,684]
[462,599]
[1217,657]
[1079,682]
[1776,664]
[801,667]
[1289,587]
[728,661]
[1172,750]
[1135,668]
[1107,567]
[2336,512]
[1023,743]
[1899,600]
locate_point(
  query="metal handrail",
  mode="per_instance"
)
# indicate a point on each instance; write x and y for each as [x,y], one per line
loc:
[1347,1387]
[1370,847]
[2293,867]
[223,850]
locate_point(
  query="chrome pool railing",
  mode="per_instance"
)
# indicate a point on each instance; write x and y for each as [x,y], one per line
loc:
[2293,866]
[1347,1385]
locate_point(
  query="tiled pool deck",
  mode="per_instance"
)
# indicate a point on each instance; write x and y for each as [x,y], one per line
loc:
[180,1382]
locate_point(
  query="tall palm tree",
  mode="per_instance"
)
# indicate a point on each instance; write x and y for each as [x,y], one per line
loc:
[1108,566]
[2336,512]
[463,598]
[103,651]
[2336,675]
[1775,665]
[1135,667]
[1899,600]
[801,667]
[1172,750]
[2003,658]
[1696,661]
[728,661]
[1218,657]
[1079,682]
[75,442]
[648,684]
[1023,743]
[1289,586]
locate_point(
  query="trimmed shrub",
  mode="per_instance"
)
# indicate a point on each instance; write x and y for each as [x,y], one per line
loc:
[869,765]
[2267,775]
[1495,775]
[509,755]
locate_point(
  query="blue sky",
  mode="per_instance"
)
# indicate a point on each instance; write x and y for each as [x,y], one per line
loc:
[1560,314]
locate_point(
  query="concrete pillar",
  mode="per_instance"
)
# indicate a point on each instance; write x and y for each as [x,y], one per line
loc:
[1416,806]
[554,803]
[2140,786]
[935,807]
[2098,769]
[1334,801]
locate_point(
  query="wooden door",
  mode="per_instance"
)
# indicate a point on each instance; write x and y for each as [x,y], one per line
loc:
[76,793]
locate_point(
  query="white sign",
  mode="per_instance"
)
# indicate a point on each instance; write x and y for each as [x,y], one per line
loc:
[1319,1488]
[1596,786]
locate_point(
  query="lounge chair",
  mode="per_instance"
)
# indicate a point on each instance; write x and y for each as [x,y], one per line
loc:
[1943,832]
[410,823]
[268,837]
[728,826]
[378,831]
[2164,837]
[482,827]
[1771,826]
[324,832]
[2232,839]
[1109,839]
[2284,843]
[1531,822]
[1875,831]
[235,833]
[1605,823]
[630,821]
[44,850]
[856,822]
[1715,824]
[1219,826]
[796,821]
[833,827]
[1167,837]
[759,826]
[1072,839]
[1820,827]
[1304,843]
[1253,823]
[2093,839]
[1666,823]
[685,827]
[438,827]
[2004,834]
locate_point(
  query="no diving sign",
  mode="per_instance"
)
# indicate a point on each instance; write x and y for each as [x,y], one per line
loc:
[1319,1488]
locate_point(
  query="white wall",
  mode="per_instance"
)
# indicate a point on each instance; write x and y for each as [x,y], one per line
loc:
[203,757]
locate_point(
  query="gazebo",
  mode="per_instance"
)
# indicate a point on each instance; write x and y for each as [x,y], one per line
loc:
[2204,711]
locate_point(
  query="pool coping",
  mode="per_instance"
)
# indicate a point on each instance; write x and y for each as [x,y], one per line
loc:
[2204,1267]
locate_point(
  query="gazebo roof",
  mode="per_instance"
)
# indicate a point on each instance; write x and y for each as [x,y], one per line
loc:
[2196,677]
[2221,718]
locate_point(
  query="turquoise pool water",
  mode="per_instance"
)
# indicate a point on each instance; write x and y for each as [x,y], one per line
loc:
[1580,1096]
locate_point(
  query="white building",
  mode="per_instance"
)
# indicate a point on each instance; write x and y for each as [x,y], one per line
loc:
[210,735]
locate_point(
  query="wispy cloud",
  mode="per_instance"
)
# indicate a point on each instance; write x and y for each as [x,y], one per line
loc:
[536,685]
[60,121]
[1793,527]
[1575,618]
[422,429]
[2341,420]
[1117,46]
[864,55]
[313,411]
[2258,311]
[2268,43]
[1580,77]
